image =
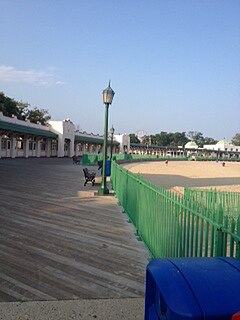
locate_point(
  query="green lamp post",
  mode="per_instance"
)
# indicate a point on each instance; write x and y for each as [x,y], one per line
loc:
[108,95]
[111,133]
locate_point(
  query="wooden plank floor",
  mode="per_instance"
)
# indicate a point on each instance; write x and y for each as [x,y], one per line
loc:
[59,241]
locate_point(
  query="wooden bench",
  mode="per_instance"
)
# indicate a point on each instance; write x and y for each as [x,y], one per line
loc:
[89,176]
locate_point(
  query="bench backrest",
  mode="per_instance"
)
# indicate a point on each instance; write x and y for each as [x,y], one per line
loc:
[86,172]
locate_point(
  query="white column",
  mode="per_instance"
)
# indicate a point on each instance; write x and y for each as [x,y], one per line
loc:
[26,147]
[77,149]
[60,153]
[71,151]
[0,147]
[13,147]
[48,148]
[38,148]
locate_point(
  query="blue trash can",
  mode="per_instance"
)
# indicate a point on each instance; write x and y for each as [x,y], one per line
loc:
[108,168]
[192,288]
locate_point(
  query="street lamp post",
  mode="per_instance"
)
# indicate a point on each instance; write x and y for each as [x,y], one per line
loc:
[111,133]
[108,94]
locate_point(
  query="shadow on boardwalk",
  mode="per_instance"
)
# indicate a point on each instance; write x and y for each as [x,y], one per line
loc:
[60,242]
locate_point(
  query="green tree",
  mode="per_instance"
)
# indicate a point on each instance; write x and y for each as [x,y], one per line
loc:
[146,140]
[178,139]
[162,139]
[236,139]
[10,107]
[38,116]
[197,137]
[134,138]
[22,110]
[208,140]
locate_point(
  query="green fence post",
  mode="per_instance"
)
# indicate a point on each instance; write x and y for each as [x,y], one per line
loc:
[219,234]
[232,242]
[238,238]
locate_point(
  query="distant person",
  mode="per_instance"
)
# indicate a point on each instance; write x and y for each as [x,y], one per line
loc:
[75,160]
[223,164]
[100,164]
[166,162]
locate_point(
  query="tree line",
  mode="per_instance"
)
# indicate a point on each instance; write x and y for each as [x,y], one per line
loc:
[178,139]
[22,110]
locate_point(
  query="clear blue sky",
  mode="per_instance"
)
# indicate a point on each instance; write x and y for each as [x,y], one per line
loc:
[174,64]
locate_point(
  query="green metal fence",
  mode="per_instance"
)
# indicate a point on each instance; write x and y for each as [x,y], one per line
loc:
[89,159]
[92,159]
[213,199]
[173,225]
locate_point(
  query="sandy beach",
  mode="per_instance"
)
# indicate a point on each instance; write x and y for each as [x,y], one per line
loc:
[178,174]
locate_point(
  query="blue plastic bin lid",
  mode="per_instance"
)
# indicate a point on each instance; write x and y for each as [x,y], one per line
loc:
[204,288]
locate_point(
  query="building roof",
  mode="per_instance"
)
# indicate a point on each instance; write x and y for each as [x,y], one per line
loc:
[191,145]
[13,127]
[222,142]
[99,140]
[144,146]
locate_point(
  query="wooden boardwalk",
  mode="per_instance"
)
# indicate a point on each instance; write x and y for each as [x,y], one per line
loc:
[59,241]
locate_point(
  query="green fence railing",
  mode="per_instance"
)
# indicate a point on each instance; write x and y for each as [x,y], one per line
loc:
[89,159]
[213,199]
[92,159]
[172,225]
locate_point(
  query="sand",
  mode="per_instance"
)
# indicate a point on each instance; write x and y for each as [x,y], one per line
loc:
[195,174]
